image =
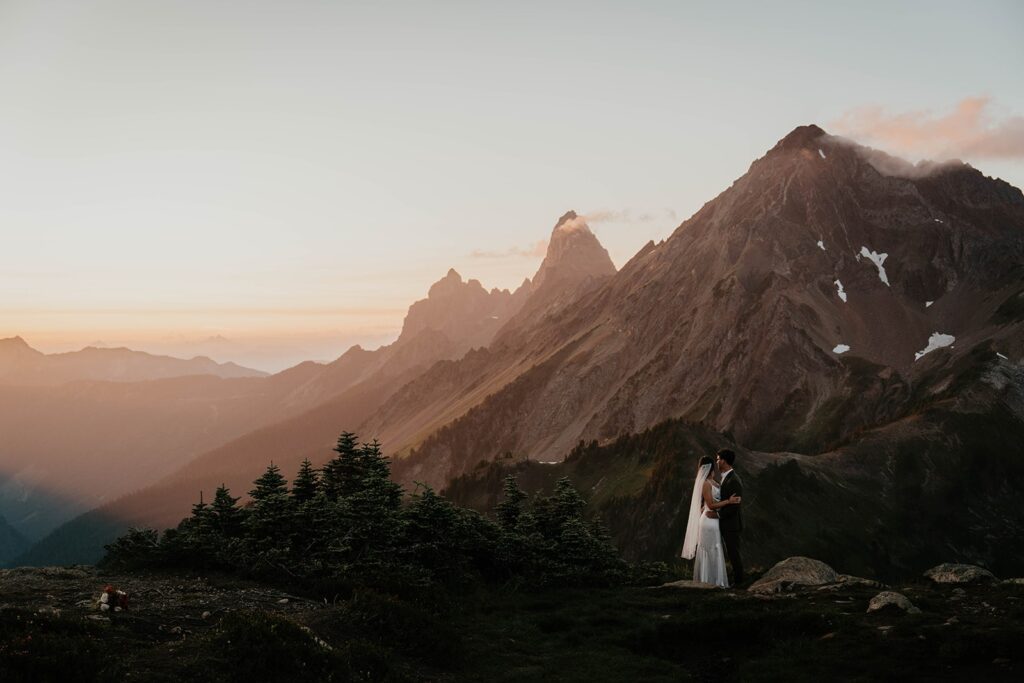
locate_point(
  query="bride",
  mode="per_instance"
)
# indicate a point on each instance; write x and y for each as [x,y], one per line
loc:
[703,542]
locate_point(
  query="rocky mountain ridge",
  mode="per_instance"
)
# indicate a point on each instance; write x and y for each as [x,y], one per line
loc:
[793,310]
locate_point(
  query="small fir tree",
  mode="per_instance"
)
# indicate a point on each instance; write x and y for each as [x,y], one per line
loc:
[509,510]
[569,504]
[269,513]
[341,470]
[306,484]
[227,516]
[202,524]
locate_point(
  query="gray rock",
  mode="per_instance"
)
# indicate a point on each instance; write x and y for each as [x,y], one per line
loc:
[892,599]
[846,580]
[689,584]
[794,571]
[1013,582]
[959,573]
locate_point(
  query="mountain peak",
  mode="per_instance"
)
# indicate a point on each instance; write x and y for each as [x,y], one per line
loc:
[566,217]
[446,286]
[800,137]
[570,222]
[574,253]
[17,347]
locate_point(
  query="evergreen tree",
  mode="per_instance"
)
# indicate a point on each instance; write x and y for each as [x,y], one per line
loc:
[202,524]
[270,485]
[227,516]
[359,469]
[373,461]
[365,536]
[341,470]
[443,543]
[269,513]
[569,504]
[316,523]
[195,539]
[374,478]
[367,522]
[137,548]
[509,510]
[200,510]
[306,484]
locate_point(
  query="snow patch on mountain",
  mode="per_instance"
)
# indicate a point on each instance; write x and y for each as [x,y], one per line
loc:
[936,341]
[821,245]
[841,292]
[840,349]
[878,260]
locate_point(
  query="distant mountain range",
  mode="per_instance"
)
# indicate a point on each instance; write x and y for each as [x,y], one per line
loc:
[835,310]
[22,365]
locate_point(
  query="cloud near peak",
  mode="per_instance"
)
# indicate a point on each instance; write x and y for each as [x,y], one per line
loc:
[535,250]
[539,249]
[628,216]
[969,131]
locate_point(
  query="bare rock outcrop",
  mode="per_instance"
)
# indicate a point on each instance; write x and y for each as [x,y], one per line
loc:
[889,599]
[794,571]
[949,572]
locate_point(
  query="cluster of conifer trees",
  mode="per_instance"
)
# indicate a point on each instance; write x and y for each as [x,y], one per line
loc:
[349,522]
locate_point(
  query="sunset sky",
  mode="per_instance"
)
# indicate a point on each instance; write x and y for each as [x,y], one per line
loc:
[272,181]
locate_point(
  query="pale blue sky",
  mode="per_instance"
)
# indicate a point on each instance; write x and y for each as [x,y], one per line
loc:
[185,169]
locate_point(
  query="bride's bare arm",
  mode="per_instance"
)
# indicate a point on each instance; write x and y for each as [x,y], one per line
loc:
[710,503]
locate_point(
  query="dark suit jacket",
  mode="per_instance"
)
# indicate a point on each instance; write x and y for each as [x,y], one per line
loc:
[730,517]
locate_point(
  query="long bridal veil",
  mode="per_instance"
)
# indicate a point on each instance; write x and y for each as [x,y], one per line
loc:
[693,521]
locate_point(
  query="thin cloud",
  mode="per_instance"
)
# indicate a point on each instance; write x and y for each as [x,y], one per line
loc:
[536,250]
[970,131]
[540,248]
[628,216]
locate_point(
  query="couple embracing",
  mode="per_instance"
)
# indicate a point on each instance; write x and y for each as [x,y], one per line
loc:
[715,522]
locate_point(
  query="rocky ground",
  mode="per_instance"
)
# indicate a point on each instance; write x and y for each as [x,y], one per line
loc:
[174,605]
[799,620]
[60,605]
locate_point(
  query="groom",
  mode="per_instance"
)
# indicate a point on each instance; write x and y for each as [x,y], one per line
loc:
[730,517]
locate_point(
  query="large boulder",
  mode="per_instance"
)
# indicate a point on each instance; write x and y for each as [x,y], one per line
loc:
[892,599]
[959,573]
[794,571]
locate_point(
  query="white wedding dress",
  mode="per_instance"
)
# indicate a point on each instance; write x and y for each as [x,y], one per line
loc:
[709,558]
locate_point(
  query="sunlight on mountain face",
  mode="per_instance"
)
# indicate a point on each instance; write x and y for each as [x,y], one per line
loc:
[337,337]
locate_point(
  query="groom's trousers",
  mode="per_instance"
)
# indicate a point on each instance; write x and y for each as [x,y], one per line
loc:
[731,538]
